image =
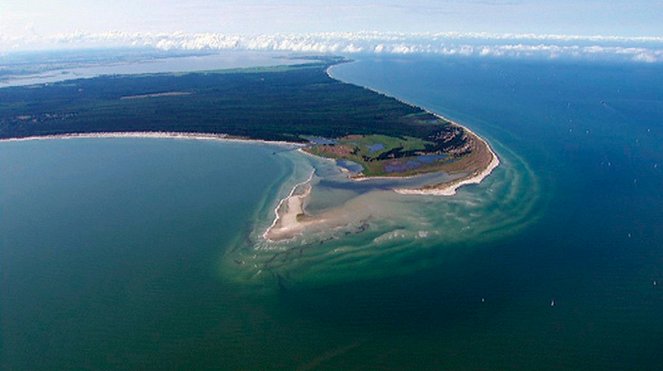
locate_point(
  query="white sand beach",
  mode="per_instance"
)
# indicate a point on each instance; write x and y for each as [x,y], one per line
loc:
[154,134]
[289,213]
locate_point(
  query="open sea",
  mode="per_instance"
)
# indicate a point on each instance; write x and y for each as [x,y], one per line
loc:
[145,253]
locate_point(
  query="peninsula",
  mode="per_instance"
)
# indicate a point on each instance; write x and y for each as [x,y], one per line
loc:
[380,135]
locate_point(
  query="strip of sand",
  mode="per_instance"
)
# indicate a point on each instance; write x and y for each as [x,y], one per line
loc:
[156,95]
[474,177]
[289,212]
[153,134]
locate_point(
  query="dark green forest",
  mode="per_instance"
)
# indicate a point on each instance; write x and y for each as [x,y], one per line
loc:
[279,103]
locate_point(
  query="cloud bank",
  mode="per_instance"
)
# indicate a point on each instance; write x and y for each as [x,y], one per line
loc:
[637,49]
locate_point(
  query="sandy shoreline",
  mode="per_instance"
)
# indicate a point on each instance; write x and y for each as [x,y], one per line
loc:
[155,135]
[449,189]
[286,223]
[445,189]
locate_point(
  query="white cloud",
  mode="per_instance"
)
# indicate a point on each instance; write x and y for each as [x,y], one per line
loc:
[638,49]
[647,57]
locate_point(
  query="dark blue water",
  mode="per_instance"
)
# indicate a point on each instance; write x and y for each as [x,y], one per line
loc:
[592,133]
[114,252]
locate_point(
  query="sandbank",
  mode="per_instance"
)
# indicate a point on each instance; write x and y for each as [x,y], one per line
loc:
[289,213]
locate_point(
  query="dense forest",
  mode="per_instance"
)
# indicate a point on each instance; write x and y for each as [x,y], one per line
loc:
[277,103]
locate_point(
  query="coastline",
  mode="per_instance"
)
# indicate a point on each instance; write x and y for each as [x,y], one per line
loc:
[290,219]
[154,135]
[450,188]
[286,224]
[443,189]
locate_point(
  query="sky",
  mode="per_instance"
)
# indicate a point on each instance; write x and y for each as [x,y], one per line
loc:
[606,29]
[26,18]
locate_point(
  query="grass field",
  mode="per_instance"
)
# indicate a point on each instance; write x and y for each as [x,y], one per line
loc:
[381,155]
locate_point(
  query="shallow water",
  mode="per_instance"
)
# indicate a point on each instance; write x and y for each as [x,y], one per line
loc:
[128,252]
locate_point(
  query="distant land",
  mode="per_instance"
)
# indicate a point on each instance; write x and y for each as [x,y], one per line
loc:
[296,103]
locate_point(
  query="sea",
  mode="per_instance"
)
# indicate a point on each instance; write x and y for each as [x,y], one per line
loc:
[134,253]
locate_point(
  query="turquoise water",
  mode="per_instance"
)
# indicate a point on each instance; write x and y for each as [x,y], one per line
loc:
[125,253]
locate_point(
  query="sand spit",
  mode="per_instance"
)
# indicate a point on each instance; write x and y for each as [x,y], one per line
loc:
[290,212]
